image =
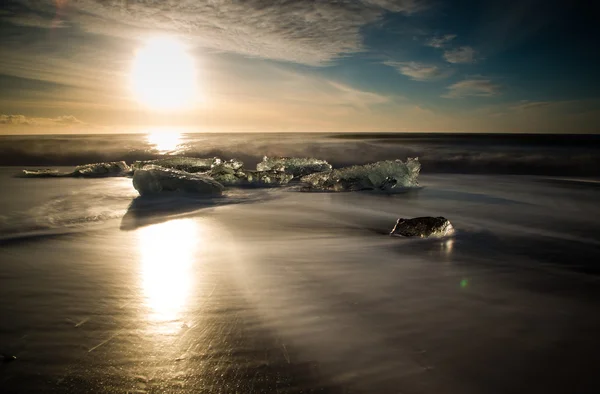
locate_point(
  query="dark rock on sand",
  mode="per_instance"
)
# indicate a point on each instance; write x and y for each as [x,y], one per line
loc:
[423,227]
[6,358]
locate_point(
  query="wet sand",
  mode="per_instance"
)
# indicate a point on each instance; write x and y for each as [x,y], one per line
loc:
[305,293]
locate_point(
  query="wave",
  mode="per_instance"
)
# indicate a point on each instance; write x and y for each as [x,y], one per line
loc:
[66,208]
[437,154]
[90,210]
[51,221]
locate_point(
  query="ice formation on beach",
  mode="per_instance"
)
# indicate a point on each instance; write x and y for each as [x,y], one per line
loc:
[102,169]
[296,166]
[95,170]
[154,180]
[233,164]
[230,176]
[423,227]
[387,176]
[187,164]
[267,178]
[43,173]
[227,175]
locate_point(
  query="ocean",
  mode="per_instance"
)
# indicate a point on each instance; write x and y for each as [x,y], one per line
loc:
[274,290]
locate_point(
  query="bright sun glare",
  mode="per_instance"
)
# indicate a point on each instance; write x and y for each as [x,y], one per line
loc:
[167,258]
[163,76]
[164,141]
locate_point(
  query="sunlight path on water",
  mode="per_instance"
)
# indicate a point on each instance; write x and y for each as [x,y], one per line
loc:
[164,141]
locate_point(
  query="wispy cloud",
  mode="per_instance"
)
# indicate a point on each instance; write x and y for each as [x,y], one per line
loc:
[302,31]
[478,87]
[419,71]
[440,42]
[527,105]
[22,120]
[406,6]
[32,20]
[279,85]
[464,54]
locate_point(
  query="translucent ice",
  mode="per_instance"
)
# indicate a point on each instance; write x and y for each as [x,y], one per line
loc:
[42,173]
[423,227]
[388,176]
[296,166]
[229,176]
[102,169]
[187,164]
[96,170]
[267,178]
[234,164]
[154,180]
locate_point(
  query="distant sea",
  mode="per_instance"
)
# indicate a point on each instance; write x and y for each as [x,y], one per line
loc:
[539,154]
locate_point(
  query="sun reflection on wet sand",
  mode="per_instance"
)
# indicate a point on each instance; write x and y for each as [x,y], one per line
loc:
[167,253]
[448,245]
[164,141]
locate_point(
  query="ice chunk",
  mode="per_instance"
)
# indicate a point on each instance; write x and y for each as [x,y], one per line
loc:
[234,164]
[153,180]
[229,176]
[423,227]
[96,170]
[388,176]
[43,173]
[187,164]
[295,166]
[267,178]
[114,168]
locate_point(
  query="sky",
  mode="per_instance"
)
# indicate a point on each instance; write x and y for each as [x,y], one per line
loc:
[526,66]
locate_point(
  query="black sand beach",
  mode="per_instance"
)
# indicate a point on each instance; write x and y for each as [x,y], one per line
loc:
[305,292]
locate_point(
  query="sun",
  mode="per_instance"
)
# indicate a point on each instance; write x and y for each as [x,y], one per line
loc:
[163,76]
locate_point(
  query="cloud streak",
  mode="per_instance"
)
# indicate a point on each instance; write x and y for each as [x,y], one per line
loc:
[440,42]
[302,31]
[527,105]
[477,87]
[22,120]
[464,54]
[419,71]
